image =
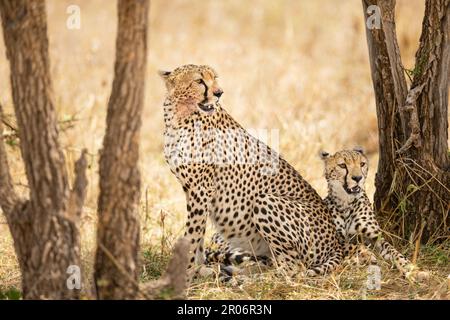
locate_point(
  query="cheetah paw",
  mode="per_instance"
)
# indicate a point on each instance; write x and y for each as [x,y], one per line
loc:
[416,275]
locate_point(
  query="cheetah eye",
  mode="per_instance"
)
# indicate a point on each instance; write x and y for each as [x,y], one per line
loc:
[342,165]
[199,81]
[363,164]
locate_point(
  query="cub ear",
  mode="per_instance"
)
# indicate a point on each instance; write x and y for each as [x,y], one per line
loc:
[164,74]
[323,154]
[359,149]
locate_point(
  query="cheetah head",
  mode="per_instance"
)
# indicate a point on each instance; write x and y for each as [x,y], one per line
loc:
[192,88]
[346,170]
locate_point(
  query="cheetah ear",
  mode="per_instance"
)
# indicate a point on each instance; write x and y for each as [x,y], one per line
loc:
[164,74]
[323,154]
[359,149]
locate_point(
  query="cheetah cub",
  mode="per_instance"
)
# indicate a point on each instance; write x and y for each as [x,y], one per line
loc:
[351,210]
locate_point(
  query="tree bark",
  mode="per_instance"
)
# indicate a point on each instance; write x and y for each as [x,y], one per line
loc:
[174,281]
[413,178]
[390,93]
[117,258]
[44,227]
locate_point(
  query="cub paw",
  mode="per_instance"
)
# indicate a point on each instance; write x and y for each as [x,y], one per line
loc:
[413,274]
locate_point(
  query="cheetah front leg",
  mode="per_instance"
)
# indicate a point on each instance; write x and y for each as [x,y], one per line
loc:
[371,234]
[195,232]
[390,254]
[199,199]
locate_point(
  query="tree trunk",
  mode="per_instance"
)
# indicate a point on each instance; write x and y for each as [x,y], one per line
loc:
[413,178]
[44,228]
[390,93]
[116,266]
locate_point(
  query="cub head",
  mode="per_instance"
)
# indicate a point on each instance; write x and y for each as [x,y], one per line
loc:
[192,88]
[346,170]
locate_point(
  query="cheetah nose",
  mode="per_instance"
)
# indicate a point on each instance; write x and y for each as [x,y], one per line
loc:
[218,93]
[357,178]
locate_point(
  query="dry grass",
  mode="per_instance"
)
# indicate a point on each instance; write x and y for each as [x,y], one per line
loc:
[297,66]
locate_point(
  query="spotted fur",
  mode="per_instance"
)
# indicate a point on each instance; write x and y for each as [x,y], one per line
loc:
[352,212]
[258,203]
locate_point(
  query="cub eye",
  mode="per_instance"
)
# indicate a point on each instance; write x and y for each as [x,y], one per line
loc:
[363,164]
[342,165]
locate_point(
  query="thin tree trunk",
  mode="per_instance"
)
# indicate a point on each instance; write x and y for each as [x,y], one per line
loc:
[390,94]
[117,257]
[44,228]
[415,186]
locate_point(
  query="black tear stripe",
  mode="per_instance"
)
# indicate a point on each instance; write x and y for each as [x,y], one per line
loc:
[205,94]
[345,178]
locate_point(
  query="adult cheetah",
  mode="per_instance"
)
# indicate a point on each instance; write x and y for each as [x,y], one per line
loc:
[256,200]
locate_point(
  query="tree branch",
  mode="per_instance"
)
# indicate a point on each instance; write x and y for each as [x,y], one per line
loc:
[78,192]
[6,123]
[414,125]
